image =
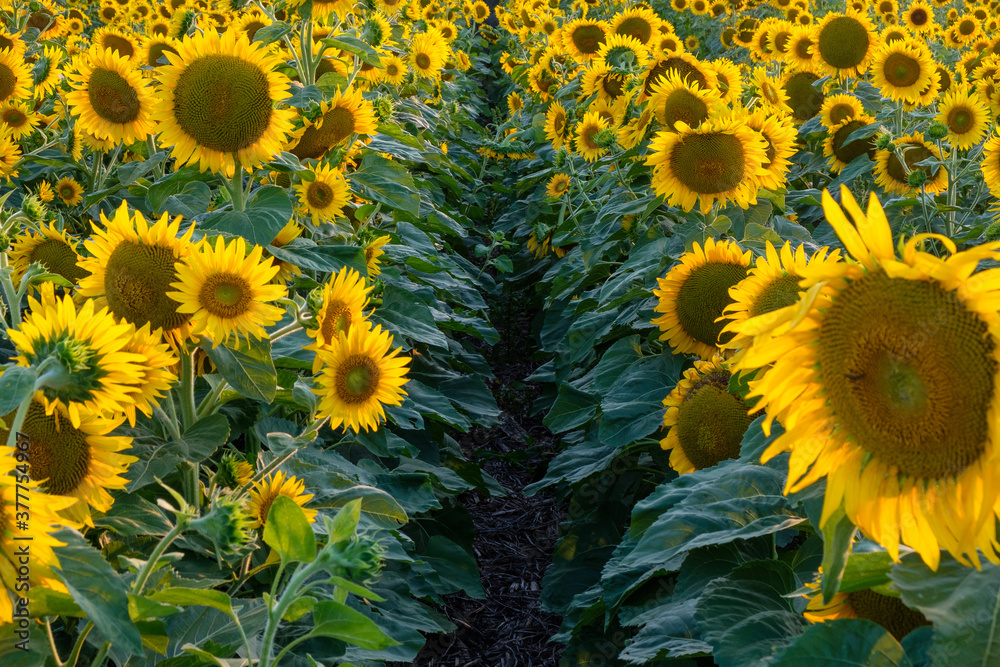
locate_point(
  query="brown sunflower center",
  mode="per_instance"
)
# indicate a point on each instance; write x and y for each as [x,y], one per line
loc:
[14,118]
[703,297]
[848,152]
[58,257]
[223,102]
[966,27]
[357,379]
[112,97]
[423,61]
[124,47]
[338,124]
[336,319]
[908,371]
[840,112]
[587,39]
[637,27]
[58,456]
[912,155]
[802,48]
[960,120]
[137,279]
[918,17]
[8,80]
[319,195]
[901,70]
[887,611]
[844,42]
[225,295]
[683,105]
[803,97]
[711,421]
[708,163]
[779,293]
[67,192]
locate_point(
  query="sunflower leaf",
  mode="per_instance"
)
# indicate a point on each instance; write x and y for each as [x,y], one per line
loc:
[16,384]
[249,369]
[846,642]
[288,532]
[838,537]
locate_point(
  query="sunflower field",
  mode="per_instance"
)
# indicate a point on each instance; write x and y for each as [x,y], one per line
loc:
[329,324]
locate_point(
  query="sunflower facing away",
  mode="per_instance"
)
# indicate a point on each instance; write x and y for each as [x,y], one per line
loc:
[721,160]
[216,102]
[94,371]
[361,374]
[344,299]
[706,422]
[111,98]
[325,196]
[81,462]
[264,492]
[885,378]
[132,265]
[227,291]
[694,294]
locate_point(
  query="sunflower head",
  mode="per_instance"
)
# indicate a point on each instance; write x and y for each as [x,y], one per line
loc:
[341,306]
[264,492]
[50,247]
[346,114]
[844,42]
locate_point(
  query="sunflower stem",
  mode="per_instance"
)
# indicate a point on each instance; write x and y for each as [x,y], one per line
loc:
[13,303]
[236,187]
[52,642]
[101,655]
[74,656]
[209,403]
[22,412]
[188,411]
[150,565]
[170,423]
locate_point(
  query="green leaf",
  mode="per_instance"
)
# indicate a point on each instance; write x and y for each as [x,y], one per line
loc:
[47,602]
[963,604]
[866,570]
[132,515]
[16,384]
[142,607]
[342,526]
[267,211]
[332,619]
[573,408]
[326,258]
[288,532]
[846,642]
[354,45]
[272,33]
[299,608]
[357,589]
[205,436]
[455,567]
[97,589]
[838,536]
[193,199]
[249,370]
[745,616]
[198,597]
[376,504]
[388,182]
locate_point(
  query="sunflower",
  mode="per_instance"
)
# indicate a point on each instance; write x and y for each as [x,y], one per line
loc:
[19,117]
[94,370]
[264,493]
[45,192]
[892,174]
[885,377]
[804,99]
[686,65]
[675,99]
[902,70]
[110,97]
[347,113]
[360,375]
[640,23]
[558,185]
[887,611]
[779,133]
[841,152]
[50,247]
[919,17]
[291,231]
[227,291]
[113,39]
[325,196]
[46,71]
[582,38]
[514,103]
[839,108]
[555,125]
[586,136]
[844,43]
[345,297]
[78,461]
[373,251]
[990,165]
[15,76]
[771,93]
[771,285]
[728,80]
[721,160]
[802,48]
[779,34]
[395,69]
[634,131]
[37,532]
[154,50]
[603,82]
[541,80]
[621,52]
[132,265]
[666,45]
[428,53]
[964,115]
[706,422]
[694,294]
[156,376]
[69,191]
[216,102]
[894,34]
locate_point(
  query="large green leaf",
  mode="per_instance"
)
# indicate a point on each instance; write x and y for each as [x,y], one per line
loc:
[573,408]
[746,615]
[332,619]
[133,515]
[249,370]
[205,436]
[97,589]
[288,532]
[455,567]
[267,210]
[846,642]
[376,504]
[388,182]
[16,383]
[196,597]
[962,602]
[633,408]
[325,258]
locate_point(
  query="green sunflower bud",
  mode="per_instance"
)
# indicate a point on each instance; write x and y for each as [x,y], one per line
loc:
[992,232]
[34,208]
[937,131]
[226,524]
[884,142]
[384,108]
[233,471]
[4,243]
[605,138]
[916,178]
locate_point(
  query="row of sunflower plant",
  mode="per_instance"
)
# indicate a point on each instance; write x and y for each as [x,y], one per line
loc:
[240,328]
[766,239]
